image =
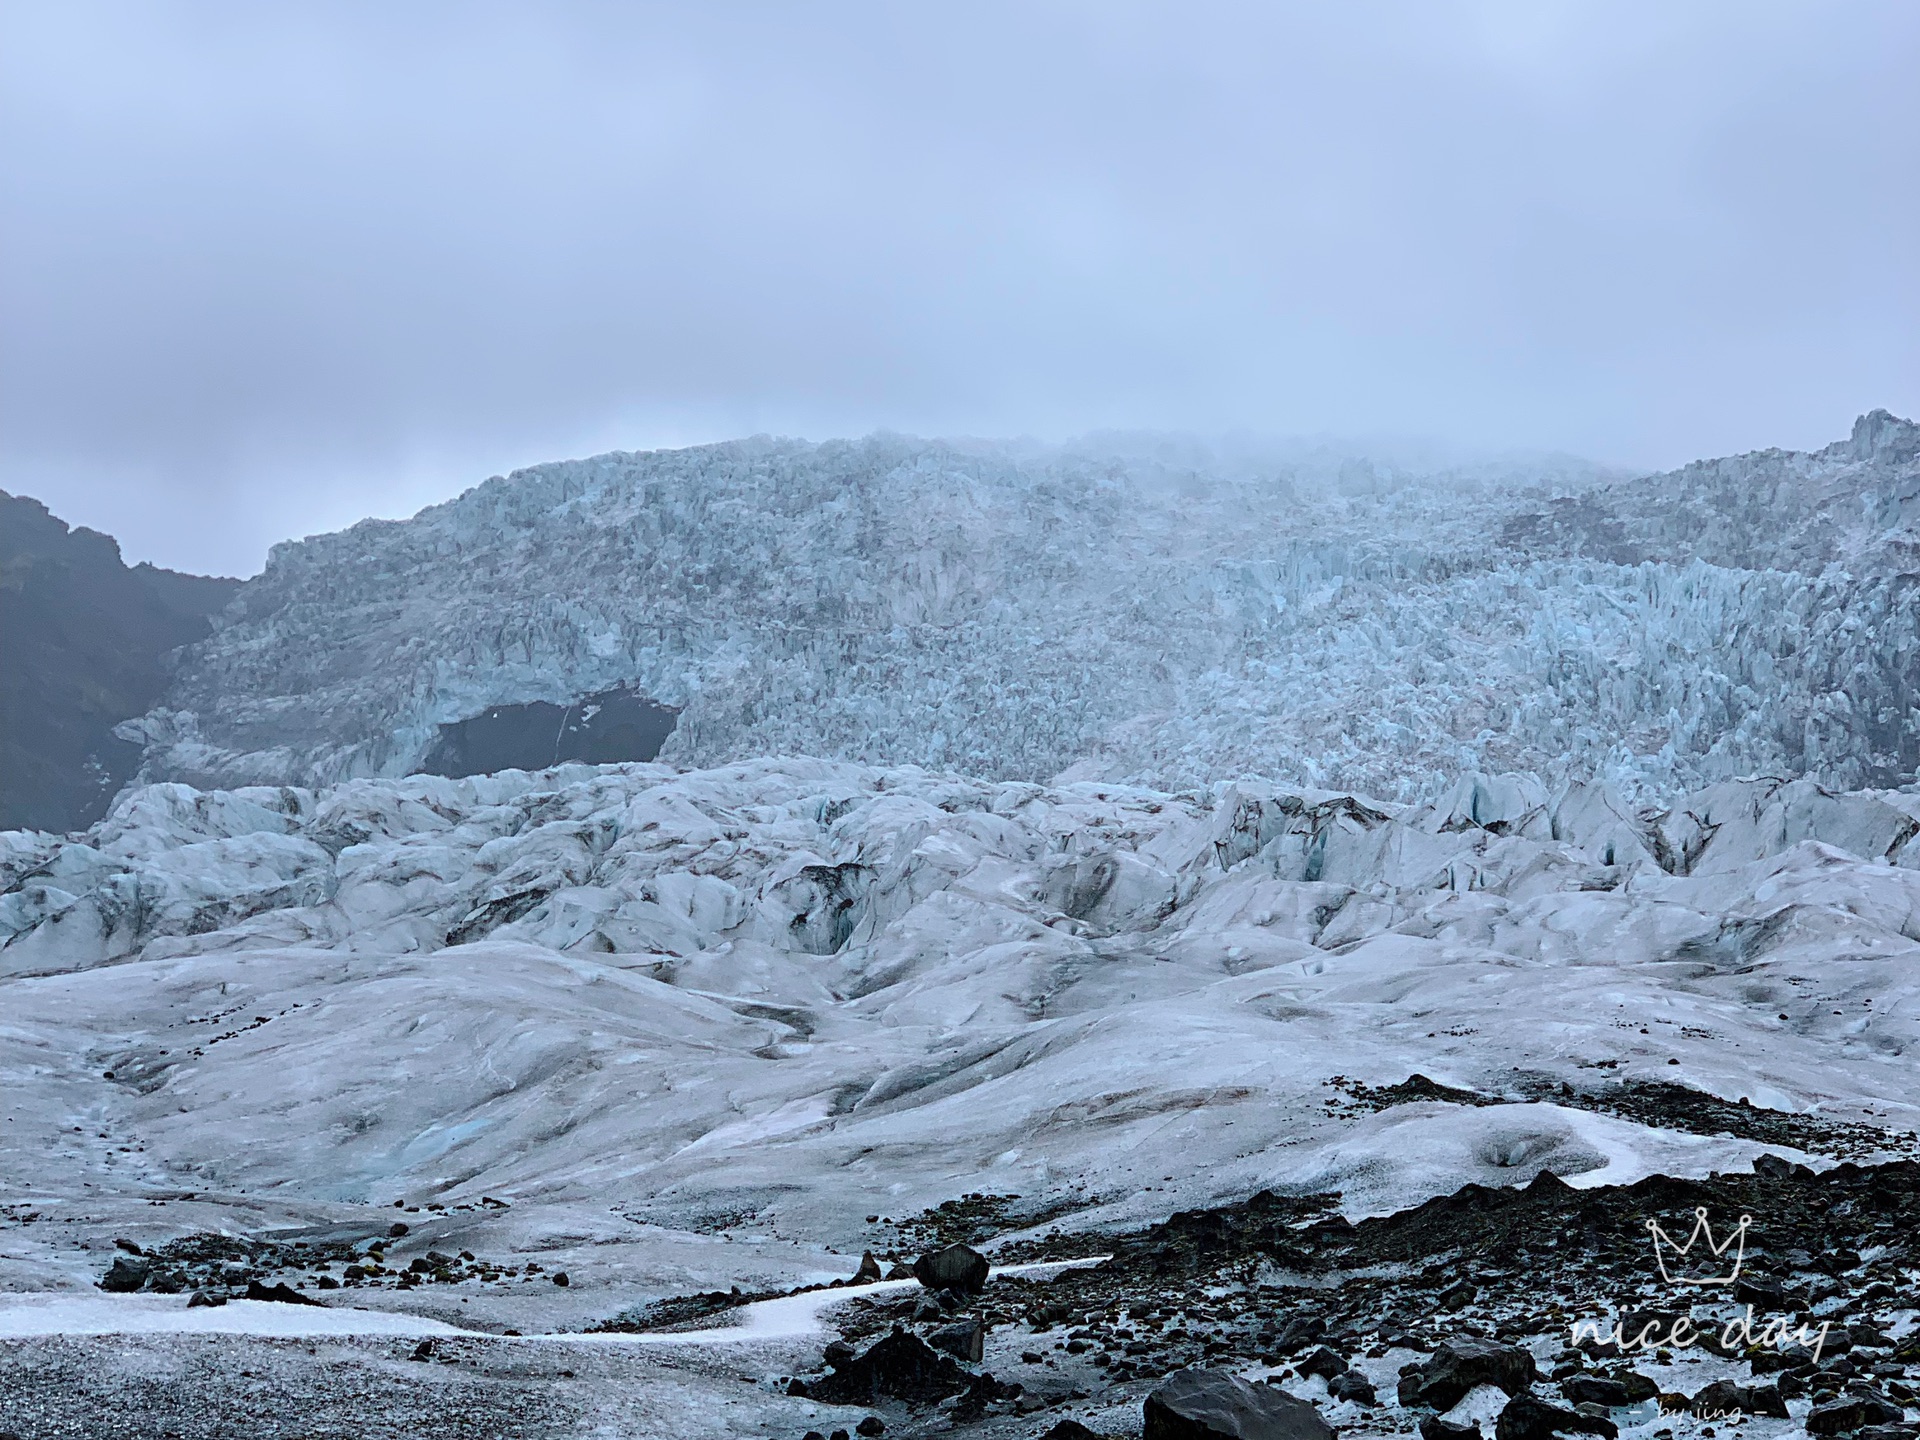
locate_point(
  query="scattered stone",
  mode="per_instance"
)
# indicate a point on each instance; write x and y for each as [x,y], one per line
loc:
[964,1341]
[1436,1427]
[872,1425]
[1213,1405]
[1595,1390]
[1726,1397]
[1072,1430]
[1852,1412]
[1459,1365]
[1299,1332]
[1527,1417]
[1637,1386]
[125,1275]
[901,1367]
[1352,1385]
[1458,1296]
[958,1267]
[560,1279]
[984,1390]
[397,1229]
[281,1293]
[424,1350]
[1323,1362]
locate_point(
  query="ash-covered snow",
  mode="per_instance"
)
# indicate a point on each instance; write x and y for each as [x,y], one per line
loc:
[1163,615]
[694,1027]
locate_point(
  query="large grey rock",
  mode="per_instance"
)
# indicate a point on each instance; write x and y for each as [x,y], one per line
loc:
[1528,1417]
[1852,1412]
[1459,1365]
[899,1367]
[958,1267]
[127,1273]
[965,1340]
[1213,1405]
[1729,1397]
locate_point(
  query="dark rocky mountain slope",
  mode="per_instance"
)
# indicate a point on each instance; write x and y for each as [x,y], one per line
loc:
[85,640]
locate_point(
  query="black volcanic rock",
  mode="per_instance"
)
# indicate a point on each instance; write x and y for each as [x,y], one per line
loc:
[1459,1365]
[900,1367]
[85,640]
[958,1267]
[1213,1405]
[1527,1417]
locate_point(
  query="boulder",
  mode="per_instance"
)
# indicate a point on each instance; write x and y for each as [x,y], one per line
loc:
[1527,1417]
[1727,1397]
[201,1299]
[958,1267]
[869,1270]
[1323,1362]
[282,1293]
[1595,1390]
[1459,1365]
[1438,1427]
[899,1367]
[1072,1430]
[1637,1386]
[964,1341]
[127,1274]
[1213,1405]
[1852,1412]
[1299,1332]
[1352,1385]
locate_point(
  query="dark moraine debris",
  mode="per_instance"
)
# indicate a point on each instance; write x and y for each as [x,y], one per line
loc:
[607,728]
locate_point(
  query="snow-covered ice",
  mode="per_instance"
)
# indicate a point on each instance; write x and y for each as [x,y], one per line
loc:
[692,1027]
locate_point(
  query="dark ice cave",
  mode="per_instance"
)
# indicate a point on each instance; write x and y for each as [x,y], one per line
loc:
[603,729]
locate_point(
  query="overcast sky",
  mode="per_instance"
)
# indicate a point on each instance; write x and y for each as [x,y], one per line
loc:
[266,269]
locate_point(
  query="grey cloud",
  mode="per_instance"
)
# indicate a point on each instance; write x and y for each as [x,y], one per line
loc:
[266,269]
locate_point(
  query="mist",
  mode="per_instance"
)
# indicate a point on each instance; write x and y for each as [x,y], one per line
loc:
[267,270]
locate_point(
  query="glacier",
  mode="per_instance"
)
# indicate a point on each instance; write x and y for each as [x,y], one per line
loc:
[1155,613]
[646,1007]
[1081,834]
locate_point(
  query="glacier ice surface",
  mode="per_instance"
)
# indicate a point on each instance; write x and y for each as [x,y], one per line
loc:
[695,1025]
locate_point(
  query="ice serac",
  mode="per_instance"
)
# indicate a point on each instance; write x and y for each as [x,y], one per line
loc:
[1166,616]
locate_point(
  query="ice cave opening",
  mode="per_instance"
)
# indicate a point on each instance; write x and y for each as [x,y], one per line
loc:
[601,729]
